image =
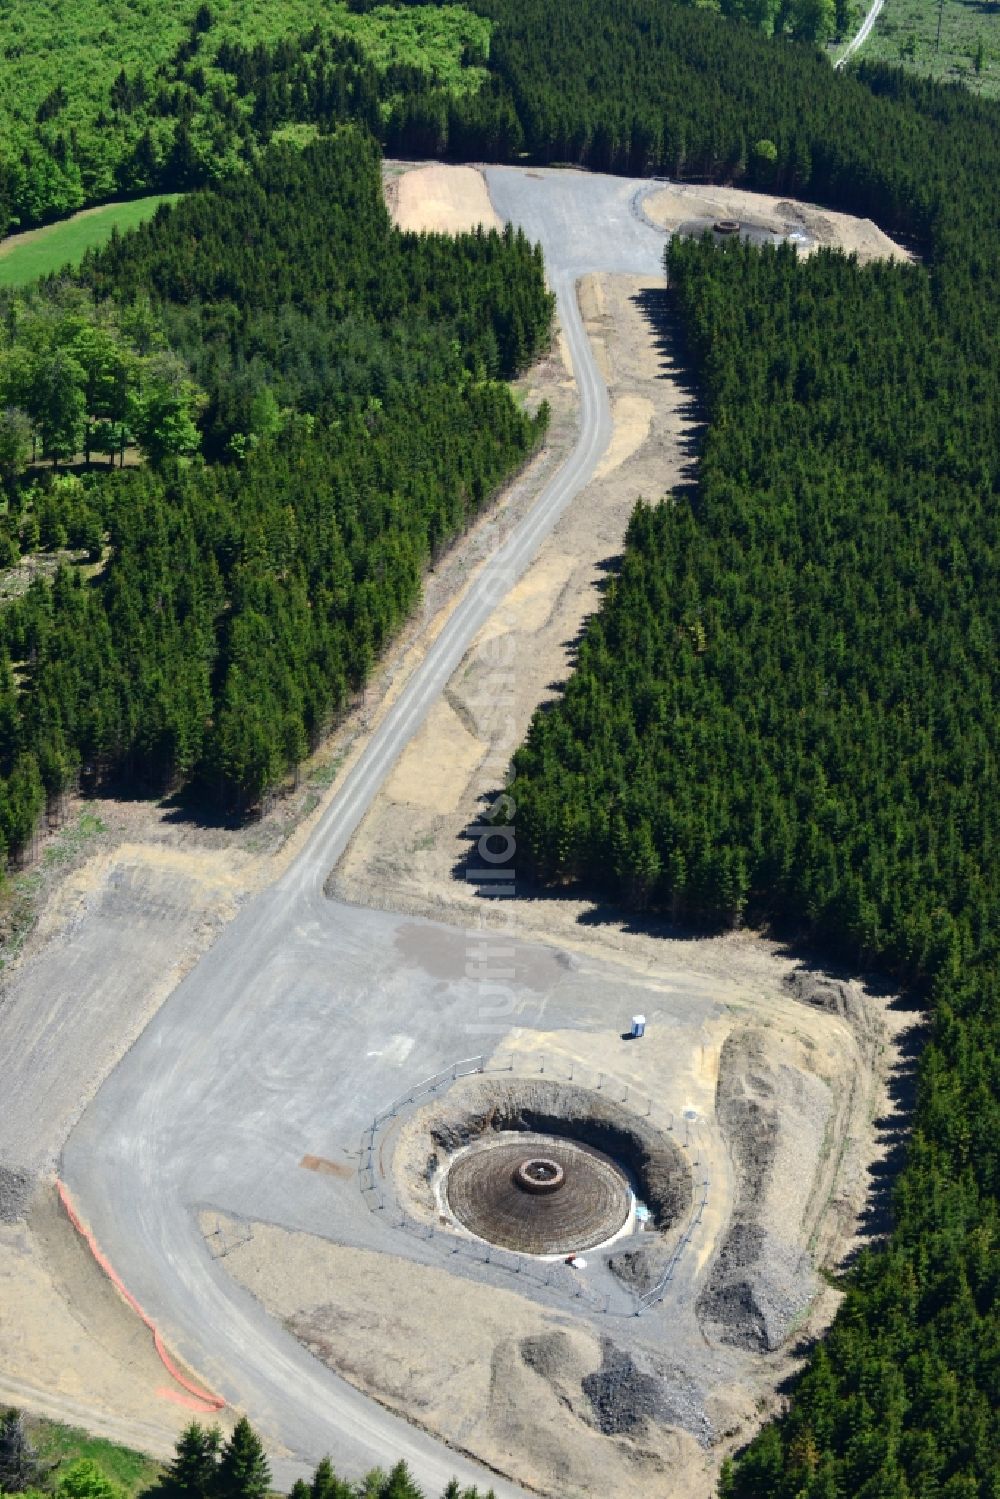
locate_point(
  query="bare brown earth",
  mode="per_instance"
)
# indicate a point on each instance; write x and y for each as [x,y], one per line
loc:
[442,199]
[680,202]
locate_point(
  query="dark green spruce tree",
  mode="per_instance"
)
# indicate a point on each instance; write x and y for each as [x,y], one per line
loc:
[243,1471]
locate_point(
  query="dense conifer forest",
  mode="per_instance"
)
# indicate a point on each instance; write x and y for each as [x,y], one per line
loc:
[348,394]
[185,95]
[786,713]
[786,710]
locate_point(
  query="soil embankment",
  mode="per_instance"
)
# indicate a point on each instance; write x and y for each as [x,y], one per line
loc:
[678,203]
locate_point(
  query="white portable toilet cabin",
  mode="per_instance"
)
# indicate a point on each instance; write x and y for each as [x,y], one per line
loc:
[638,1026]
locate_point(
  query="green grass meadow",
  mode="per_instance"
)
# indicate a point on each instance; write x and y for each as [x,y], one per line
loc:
[24,257]
[906,33]
[56,1443]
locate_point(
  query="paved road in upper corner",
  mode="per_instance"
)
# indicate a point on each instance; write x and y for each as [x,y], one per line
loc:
[131,1162]
[862,34]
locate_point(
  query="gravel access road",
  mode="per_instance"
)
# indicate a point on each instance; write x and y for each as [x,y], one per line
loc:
[308,1014]
[862,34]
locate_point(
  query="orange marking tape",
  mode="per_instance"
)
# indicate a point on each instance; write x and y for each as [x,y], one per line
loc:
[178,1397]
[206,1401]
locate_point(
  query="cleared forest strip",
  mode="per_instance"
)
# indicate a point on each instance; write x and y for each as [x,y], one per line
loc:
[438,199]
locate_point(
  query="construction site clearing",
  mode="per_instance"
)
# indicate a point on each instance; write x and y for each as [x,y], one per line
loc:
[768,1081]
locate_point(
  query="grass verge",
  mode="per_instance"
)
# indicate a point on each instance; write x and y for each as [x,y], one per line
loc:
[59,1444]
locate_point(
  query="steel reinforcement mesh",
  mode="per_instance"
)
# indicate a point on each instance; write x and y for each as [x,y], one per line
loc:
[590,1206]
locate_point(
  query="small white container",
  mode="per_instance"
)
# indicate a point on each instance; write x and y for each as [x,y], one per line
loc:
[638,1026]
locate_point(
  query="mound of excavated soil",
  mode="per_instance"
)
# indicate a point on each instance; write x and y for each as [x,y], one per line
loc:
[641,1267]
[672,206]
[496,1375]
[762,1279]
[622,1396]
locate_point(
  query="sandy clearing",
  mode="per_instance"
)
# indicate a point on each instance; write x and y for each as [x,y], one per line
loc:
[674,205]
[592,297]
[633,418]
[527,646]
[436,777]
[565,355]
[441,199]
[531,602]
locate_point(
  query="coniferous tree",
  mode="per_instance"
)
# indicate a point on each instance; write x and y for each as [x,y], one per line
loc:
[399,1484]
[325,1483]
[20,1468]
[193,1470]
[243,1471]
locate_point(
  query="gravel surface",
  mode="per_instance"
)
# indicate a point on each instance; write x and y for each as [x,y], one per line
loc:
[623,1397]
[16,1186]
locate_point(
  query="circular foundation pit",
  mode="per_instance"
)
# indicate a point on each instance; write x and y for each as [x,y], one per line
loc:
[723,230]
[538,1196]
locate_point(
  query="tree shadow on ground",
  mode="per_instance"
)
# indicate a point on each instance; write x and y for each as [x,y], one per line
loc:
[479,865]
[659,308]
[195,805]
[892,1133]
[910,1025]
[496,878]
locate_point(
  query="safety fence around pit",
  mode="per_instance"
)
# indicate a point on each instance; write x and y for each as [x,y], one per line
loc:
[552,1276]
[224,1238]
